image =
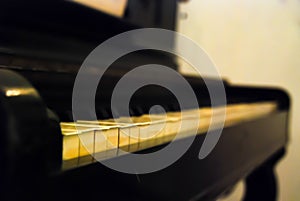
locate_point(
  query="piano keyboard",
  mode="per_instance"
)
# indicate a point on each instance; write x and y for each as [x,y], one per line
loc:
[85,142]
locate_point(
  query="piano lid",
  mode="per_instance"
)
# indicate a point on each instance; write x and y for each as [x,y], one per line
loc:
[69,31]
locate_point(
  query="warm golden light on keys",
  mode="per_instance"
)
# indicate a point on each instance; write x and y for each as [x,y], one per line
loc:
[87,141]
[84,142]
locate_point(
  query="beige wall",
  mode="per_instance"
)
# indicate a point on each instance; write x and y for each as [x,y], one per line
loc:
[254,42]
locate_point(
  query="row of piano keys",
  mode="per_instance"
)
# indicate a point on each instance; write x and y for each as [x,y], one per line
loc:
[85,142]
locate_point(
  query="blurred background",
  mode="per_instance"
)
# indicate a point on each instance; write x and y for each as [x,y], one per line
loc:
[253,42]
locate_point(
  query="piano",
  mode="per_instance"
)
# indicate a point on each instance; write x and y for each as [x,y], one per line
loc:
[43,154]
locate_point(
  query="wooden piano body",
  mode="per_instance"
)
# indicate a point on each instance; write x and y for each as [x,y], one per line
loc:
[42,45]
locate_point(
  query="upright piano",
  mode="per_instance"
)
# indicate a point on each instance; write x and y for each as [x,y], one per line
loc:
[42,46]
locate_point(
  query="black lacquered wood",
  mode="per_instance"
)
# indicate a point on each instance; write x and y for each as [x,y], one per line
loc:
[27,138]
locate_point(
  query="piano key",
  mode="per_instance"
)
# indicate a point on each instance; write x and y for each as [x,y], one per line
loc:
[128,133]
[100,144]
[71,147]
[87,136]
[86,147]
[70,151]
[101,139]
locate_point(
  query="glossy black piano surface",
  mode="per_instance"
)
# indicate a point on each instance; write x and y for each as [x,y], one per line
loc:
[42,45]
